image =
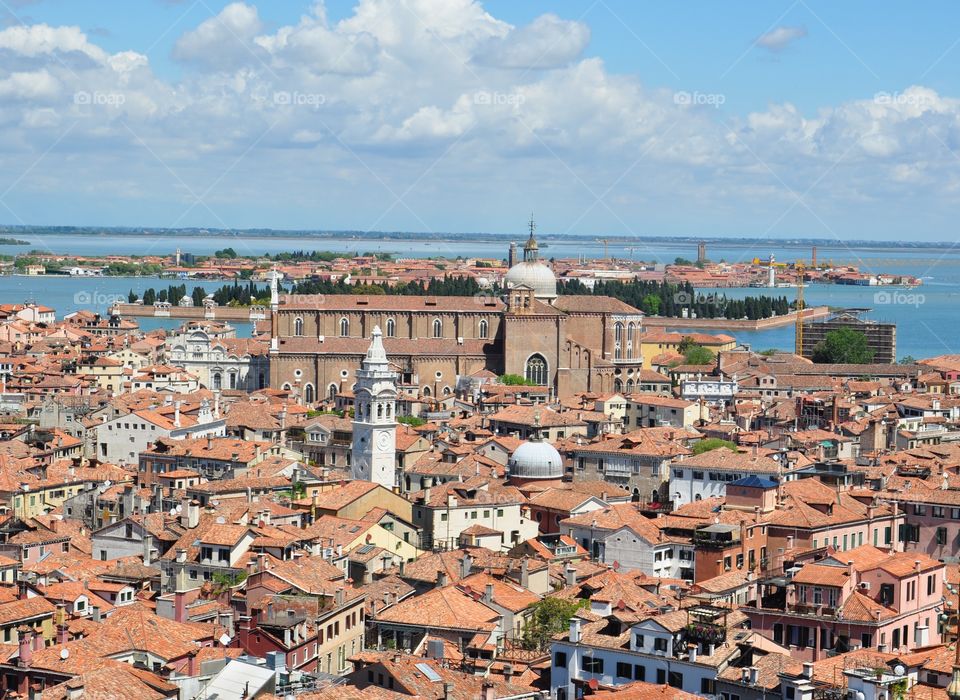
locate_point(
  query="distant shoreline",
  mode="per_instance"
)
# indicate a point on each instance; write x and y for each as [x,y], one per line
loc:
[451,237]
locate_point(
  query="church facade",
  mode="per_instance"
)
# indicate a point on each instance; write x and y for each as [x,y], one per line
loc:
[570,343]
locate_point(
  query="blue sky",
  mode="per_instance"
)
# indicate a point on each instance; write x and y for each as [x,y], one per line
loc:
[780,119]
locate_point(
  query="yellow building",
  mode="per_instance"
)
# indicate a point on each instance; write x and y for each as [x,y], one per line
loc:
[656,342]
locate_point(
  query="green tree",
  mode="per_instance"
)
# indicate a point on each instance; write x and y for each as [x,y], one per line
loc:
[515,380]
[149,297]
[132,297]
[650,305]
[843,346]
[908,360]
[712,444]
[694,354]
[198,296]
[413,421]
[550,615]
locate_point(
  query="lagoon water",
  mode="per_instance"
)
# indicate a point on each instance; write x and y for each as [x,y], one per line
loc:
[926,317]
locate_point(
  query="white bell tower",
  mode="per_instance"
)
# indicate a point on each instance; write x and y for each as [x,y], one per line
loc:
[374,426]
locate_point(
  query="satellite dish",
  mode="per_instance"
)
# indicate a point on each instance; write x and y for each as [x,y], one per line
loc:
[64,653]
[225,639]
[179,507]
[899,669]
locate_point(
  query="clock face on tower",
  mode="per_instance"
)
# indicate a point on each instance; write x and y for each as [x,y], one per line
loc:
[383,439]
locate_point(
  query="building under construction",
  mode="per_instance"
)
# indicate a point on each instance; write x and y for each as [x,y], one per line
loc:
[881,337]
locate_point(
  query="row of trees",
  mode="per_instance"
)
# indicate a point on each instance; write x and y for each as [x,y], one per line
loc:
[669,300]
[235,294]
[439,286]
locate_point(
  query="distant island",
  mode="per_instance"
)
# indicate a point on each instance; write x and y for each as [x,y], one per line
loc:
[13,241]
[599,237]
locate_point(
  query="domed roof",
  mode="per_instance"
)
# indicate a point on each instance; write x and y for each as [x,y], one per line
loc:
[536,460]
[536,275]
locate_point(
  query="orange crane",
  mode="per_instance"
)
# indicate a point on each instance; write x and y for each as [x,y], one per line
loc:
[798,345]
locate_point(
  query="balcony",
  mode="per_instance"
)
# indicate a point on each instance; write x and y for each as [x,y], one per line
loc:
[717,536]
[706,623]
[812,610]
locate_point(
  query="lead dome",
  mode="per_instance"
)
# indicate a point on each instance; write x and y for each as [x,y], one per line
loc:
[535,460]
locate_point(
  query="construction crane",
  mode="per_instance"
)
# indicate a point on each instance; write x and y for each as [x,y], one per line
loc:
[605,242]
[798,345]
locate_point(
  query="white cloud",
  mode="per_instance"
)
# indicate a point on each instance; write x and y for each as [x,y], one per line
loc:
[222,39]
[779,38]
[319,124]
[547,42]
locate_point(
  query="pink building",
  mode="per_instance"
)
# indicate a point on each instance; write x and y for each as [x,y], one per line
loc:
[862,598]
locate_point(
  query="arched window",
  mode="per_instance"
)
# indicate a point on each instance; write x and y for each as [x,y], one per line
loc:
[298,326]
[629,386]
[286,386]
[217,381]
[446,391]
[617,340]
[484,328]
[426,391]
[344,327]
[391,328]
[536,370]
[617,385]
[389,410]
[630,330]
[437,328]
[379,410]
[233,379]
[308,396]
[332,391]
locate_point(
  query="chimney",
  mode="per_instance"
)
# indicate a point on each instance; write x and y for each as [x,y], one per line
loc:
[147,549]
[192,669]
[448,691]
[525,573]
[808,670]
[209,442]
[37,640]
[441,578]
[96,613]
[26,650]
[692,650]
[176,414]
[466,565]
[487,692]
[754,675]
[74,689]
[488,593]
[338,597]
[574,630]
[21,589]
[570,574]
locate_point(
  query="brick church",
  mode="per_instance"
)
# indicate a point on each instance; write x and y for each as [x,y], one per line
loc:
[570,343]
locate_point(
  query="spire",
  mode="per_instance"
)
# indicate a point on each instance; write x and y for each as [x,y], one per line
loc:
[531,251]
[376,352]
